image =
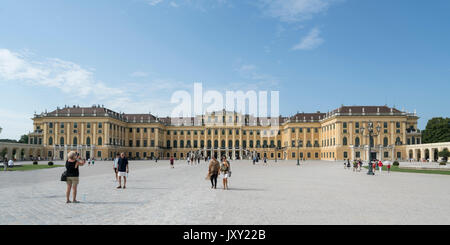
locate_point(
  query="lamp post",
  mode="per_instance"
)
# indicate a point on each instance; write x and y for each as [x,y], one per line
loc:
[370,134]
[298,153]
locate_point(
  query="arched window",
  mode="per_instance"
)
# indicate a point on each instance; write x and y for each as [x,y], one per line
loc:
[209,143]
[222,143]
[61,141]
[99,141]
[75,141]
[181,143]
[88,141]
[344,141]
[216,143]
[398,141]
[385,141]
[236,144]
[230,144]
[174,144]
[168,143]
[357,141]
[50,141]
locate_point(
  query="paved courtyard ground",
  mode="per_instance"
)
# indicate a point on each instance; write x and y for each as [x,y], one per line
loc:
[317,192]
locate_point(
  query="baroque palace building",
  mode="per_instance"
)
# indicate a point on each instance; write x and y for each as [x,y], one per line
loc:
[100,133]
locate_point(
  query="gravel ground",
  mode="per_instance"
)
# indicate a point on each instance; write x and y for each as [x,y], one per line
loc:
[317,192]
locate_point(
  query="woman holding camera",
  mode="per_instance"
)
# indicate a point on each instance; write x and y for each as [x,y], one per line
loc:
[72,165]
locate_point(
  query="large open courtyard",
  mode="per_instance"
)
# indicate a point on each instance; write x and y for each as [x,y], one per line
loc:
[317,192]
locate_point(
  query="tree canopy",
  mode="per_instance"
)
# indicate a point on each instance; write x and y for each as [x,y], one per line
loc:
[437,130]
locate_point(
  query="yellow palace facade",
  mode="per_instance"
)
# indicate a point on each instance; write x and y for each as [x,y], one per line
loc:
[99,133]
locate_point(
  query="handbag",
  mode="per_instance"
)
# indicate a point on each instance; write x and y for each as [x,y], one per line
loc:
[64,176]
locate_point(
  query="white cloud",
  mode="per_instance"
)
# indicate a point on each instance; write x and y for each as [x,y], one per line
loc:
[254,78]
[294,10]
[311,41]
[174,4]
[71,78]
[64,75]
[153,2]
[139,74]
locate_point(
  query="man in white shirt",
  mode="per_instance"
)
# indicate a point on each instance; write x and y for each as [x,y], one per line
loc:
[10,163]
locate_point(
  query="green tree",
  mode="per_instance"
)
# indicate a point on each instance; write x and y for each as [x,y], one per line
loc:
[445,154]
[24,139]
[3,152]
[8,140]
[437,130]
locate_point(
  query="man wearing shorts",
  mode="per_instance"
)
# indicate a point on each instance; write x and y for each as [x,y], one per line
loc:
[122,170]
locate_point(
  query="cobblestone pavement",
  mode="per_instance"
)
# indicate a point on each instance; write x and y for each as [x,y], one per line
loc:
[317,192]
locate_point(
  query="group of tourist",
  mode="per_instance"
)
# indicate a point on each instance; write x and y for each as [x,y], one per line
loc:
[191,160]
[357,165]
[7,164]
[375,164]
[121,170]
[215,169]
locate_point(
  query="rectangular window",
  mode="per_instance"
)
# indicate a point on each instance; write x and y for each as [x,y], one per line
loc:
[386,154]
[100,125]
[75,125]
[358,154]
[138,143]
[356,124]
[152,143]
[345,154]
[145,130]
[145,143]
[344,125]
[88,125]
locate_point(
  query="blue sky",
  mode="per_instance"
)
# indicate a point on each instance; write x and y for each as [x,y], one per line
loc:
[131,55]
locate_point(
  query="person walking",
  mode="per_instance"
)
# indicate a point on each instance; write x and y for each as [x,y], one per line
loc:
[374,165]
[389,168]
[73,164]
[122,170]
[171,162]
[224,169]
[5,164]
[348,164]
[380,166]
[265,161]
[116,165]
[213,172]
